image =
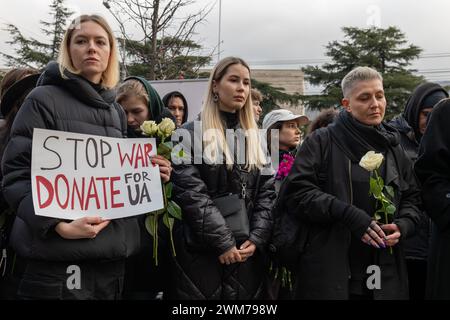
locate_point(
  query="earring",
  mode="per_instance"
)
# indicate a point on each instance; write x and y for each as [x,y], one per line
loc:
[215,97]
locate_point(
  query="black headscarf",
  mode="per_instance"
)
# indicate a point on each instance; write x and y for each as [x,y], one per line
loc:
[170,95]
[427,92]
[356,138]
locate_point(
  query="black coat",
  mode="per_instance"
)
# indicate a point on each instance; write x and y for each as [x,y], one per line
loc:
[417,246]
[198,274]
[433,170]
[319,200]
[72,105]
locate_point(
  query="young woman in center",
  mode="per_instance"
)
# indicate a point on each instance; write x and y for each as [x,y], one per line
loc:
[214,261]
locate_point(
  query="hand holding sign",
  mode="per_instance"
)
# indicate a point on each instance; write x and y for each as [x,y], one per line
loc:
[77,175]
[165,167]
[87,227]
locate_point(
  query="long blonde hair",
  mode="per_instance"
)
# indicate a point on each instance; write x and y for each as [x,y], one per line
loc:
[210,116]
[111,75]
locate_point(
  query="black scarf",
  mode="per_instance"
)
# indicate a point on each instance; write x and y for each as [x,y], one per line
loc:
[356,139]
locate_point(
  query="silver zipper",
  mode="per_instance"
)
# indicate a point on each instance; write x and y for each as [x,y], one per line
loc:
[350,180]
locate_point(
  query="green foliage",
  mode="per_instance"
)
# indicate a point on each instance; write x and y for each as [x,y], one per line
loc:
[383,49]
[273,96]
[33,53]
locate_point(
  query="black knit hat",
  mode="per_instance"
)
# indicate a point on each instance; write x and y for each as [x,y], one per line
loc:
[10,96]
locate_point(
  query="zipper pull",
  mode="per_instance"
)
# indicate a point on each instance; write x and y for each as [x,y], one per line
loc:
[244,191]
[3,259]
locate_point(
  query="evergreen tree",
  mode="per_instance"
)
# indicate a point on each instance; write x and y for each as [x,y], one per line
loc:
[386,50]
[173,61]
[33,53]
[273,97]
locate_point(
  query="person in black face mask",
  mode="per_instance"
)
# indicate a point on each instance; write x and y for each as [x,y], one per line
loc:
[412,124]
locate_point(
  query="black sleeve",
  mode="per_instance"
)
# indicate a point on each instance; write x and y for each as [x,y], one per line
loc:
[262,221]
[433,166]
[408,215]
[305,199]
[198,210]
[16,164]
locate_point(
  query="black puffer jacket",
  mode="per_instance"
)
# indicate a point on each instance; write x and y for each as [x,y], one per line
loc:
[198,274]
[72,105]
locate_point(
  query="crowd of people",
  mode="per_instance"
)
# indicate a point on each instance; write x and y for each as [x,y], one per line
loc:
[305,224]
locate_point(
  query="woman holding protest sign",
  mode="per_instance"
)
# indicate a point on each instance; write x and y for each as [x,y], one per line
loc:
[225,200]
[83,258]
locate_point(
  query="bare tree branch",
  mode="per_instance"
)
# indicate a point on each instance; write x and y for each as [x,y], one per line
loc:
[163,47]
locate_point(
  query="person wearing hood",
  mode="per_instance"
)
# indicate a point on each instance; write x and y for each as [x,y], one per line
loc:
[74,95]
[143,280]
[412,124]
[15,86]
[177,104]
[343,251]
[141,102]
[433,170]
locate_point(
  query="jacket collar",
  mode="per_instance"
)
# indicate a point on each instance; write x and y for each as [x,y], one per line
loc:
[87,92]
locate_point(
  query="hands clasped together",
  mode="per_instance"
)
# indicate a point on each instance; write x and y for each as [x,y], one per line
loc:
[375,235]
[246,250]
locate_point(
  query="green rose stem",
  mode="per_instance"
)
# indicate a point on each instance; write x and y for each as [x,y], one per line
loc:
[166,213]
[171,210]
[383,201]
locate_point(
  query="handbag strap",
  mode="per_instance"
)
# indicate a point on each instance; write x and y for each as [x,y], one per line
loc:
[255,195]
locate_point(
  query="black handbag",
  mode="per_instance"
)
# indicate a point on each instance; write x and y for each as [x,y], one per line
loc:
[236,214]
[234,211]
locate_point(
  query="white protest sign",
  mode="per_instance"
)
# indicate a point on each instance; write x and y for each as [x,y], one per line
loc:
[77,175]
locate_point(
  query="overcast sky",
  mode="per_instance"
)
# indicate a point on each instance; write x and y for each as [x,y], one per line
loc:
[282,33]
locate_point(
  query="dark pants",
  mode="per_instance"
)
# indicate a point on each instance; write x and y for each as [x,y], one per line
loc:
[11,273]
[144,280]
[82,280]
[417,275]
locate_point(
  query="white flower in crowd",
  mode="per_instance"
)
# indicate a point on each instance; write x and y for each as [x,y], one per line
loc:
[371,160]
[166,127]
[149,128]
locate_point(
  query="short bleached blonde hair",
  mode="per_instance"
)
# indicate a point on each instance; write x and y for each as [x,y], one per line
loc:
[358,74]
[111,75]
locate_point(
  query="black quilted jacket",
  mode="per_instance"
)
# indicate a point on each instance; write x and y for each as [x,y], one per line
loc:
[198,273]
[72,105]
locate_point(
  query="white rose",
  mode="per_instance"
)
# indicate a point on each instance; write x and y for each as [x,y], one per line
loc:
[166,127]
[371,161]
[149,128]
